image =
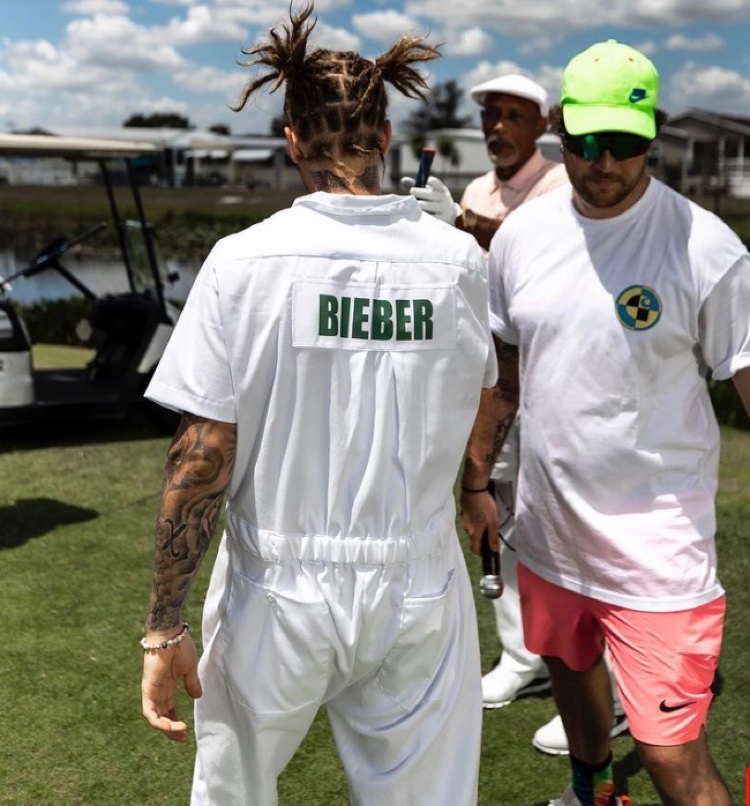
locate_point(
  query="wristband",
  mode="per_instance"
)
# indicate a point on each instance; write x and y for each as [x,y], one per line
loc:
[176,641]
[483,490]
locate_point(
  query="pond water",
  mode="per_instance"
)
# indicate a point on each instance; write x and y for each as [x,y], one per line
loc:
[101,276]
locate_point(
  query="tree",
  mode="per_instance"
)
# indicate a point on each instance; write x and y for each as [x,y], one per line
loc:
[220,128]
[439,110]
[446,147]
[167,120]
[277,126]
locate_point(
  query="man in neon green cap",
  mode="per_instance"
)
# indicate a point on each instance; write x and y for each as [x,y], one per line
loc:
[612,304]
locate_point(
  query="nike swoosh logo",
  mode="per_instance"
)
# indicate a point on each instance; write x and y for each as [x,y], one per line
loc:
[637,95]
[667,708]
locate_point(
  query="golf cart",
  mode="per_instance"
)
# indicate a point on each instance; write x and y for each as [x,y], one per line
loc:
[128,330]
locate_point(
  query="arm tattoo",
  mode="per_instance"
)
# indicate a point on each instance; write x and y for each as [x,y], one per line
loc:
[501,432]
[198,470]
[507,387]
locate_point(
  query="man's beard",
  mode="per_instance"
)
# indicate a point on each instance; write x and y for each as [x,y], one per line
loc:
[604,197]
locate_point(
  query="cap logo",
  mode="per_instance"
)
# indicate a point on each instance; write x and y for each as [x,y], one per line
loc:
[636,94]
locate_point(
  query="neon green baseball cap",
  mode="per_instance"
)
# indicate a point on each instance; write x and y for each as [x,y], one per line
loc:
[610,87]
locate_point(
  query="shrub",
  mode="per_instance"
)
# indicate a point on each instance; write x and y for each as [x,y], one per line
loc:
[53,321]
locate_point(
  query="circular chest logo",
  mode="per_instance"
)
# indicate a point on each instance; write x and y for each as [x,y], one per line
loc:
[638,307]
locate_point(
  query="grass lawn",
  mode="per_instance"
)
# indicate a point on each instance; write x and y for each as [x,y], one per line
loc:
[60,356]
[77,507]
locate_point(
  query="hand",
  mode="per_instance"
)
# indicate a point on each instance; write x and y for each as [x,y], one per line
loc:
[162,670]
[434,199]
[479,515]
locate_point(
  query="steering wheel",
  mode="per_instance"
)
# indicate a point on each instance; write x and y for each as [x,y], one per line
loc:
[48,256]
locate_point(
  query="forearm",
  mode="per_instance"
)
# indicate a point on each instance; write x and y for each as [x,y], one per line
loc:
[497,410]
[481,227]
[198,470]
[742,385]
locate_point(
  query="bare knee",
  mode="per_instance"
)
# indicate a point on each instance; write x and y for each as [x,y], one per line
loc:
[685,775]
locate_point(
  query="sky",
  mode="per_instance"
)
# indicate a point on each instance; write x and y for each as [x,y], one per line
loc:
[77,63]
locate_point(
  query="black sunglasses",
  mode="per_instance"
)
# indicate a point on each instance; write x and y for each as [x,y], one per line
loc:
[620,145]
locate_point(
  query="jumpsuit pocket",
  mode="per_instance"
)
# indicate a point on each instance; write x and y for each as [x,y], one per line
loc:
[411,670]
[276,646]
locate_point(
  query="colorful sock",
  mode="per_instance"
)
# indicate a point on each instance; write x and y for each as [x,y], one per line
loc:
[593,783]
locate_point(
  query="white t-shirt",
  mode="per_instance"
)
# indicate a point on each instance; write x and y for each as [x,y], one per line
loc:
[348,337]
[616,321]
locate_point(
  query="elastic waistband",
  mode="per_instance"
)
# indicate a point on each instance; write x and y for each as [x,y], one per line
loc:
[375,551]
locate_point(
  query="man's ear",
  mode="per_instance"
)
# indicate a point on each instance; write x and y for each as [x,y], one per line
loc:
[292,145]
[386,137]
[542,126]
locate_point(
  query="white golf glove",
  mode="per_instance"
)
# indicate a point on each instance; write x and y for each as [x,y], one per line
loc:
[434,198]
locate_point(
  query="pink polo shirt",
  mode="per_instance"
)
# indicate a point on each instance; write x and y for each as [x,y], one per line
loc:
[489,196]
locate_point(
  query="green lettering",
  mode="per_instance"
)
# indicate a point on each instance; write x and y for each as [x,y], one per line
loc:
[346,304]
[382,319]
[403,319]
[423,311]
[328,324]
[360,318]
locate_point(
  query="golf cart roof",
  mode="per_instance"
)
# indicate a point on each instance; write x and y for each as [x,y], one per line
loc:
[40,145]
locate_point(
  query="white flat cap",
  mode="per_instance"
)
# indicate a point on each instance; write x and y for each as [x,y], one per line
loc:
[512,84]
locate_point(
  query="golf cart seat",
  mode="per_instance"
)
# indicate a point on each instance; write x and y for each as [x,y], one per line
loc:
[124,325]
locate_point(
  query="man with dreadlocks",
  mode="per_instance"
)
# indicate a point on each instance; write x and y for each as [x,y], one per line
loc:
[301,364]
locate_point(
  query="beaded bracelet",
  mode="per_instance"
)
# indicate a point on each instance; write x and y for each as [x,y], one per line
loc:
[176,641]
[483,490]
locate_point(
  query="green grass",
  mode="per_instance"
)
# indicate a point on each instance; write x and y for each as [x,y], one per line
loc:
[60,356]
[77,507]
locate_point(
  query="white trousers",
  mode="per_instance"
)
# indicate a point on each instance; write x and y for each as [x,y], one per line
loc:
[382,632]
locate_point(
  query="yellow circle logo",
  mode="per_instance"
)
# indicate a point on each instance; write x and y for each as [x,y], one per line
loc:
[638,307]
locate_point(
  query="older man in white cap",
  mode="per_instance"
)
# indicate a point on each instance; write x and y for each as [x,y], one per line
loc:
[514,116]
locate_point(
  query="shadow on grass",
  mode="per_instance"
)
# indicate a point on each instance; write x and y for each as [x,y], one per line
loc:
[34,517]
[139,424]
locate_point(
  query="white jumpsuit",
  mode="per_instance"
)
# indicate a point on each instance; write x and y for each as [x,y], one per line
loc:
[348,338]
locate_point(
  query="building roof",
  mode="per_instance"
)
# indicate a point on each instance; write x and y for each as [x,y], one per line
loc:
[40,145]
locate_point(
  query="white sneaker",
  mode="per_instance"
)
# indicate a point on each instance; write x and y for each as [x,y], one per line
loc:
[569,799]
[551,738]
[501,686]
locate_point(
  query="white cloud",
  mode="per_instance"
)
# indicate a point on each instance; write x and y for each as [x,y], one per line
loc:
[384,26]
[469,43]
[546,19]
[203,25]
[714,88]
[92,7]
[702,44]
[326,36]
[205,79]
[647,48]
[117,43]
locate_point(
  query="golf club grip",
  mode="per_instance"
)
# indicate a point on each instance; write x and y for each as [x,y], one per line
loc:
[490,558]
[425,163]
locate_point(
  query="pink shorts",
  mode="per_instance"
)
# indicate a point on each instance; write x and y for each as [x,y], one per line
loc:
[663,663]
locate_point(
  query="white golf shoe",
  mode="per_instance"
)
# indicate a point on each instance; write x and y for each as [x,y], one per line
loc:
[551,738]
[500,687]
